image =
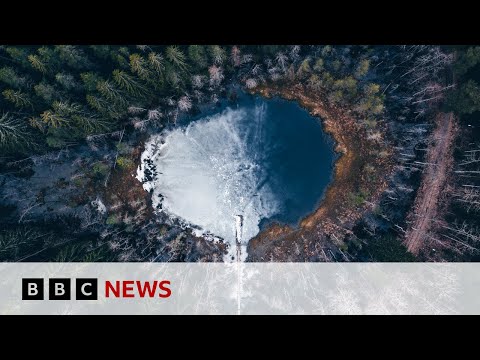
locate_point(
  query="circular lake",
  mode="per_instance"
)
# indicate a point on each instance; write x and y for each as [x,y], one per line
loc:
[260,160]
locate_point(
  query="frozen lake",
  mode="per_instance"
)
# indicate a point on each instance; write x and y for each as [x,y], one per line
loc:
[264,159]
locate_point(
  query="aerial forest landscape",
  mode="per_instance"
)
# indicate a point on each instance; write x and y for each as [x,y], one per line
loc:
[239,153]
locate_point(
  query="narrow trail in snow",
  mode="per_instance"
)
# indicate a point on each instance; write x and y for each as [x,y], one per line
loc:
[438,159]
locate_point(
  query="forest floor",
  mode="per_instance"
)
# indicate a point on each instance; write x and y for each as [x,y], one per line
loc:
[438,161]
[360,175]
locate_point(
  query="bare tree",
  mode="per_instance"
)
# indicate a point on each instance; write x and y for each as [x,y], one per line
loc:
[282,61]
[135,110]
[198,81]
[235,56]
[295,52]
[154,114]
[216,75]
[184,103]
[13,133]
[250,83]
[246,58]
[469,196]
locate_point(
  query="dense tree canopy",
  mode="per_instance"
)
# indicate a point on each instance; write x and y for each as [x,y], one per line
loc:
[466,97]
[61,94]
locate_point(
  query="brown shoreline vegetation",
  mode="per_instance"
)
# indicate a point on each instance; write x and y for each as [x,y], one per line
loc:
[361,174]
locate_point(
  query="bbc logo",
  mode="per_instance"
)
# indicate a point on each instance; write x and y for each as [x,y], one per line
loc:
[59,289]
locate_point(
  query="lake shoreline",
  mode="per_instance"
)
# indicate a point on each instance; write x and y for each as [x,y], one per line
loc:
[358,169]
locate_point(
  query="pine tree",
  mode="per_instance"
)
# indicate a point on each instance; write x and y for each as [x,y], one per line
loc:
[37,63]
[318,67]
[104,107]
[217,54]
[92,124]
[19,54]
[73,56]
[49,56]
[314,82]
[139,67]
[304,68]
[66,109]
[110,92]
[67,81]
[47,92]
[102,51]
[128,83]
[9,76]
[197,56]
[120,58]
[17,98]
[176,57]
[54,119]
[172,76]
[90,80]
[466,99]
[467,59]
[97,103]
[156,62]
[37,123]
[362,68]
[77,115]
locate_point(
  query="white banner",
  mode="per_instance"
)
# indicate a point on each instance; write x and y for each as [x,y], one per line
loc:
[243,288]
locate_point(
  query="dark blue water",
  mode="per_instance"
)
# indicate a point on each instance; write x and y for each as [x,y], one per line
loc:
[301,165]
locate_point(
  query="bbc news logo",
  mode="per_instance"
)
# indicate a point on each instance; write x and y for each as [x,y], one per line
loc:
[59,289]
[87,289]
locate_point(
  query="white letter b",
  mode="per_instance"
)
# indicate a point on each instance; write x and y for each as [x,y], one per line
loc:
[32,289]
[59,289]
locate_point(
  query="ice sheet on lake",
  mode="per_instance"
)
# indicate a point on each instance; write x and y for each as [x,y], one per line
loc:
[209,172]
